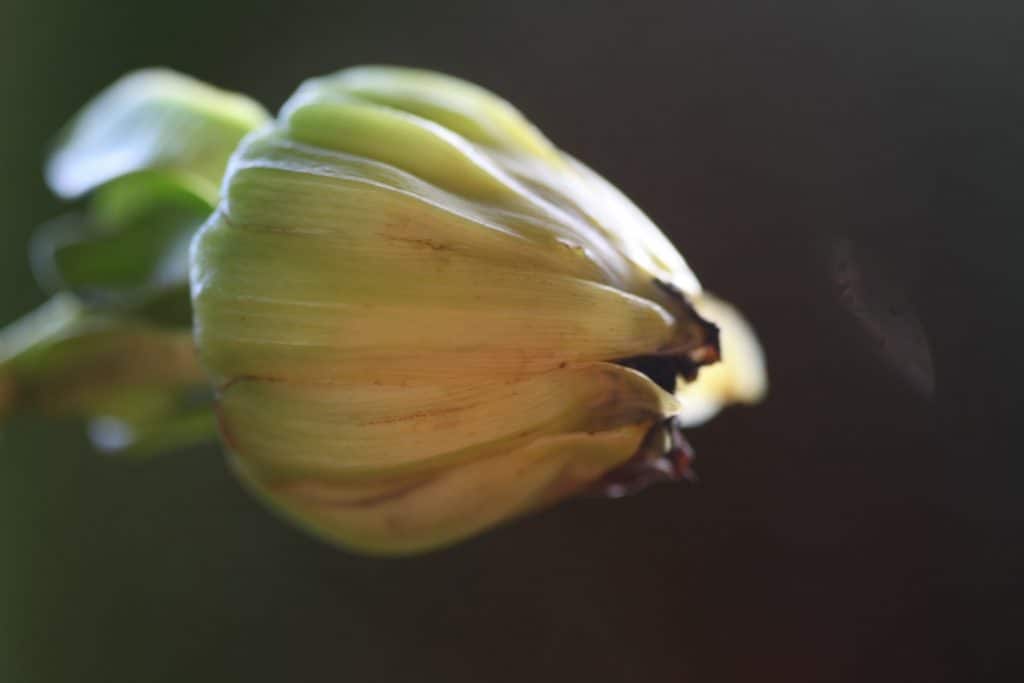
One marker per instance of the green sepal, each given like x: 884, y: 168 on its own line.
x: 151, y: 119
x: 64, y: 360
x: 129, y: 250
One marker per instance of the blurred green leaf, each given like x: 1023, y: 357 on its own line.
x: 151, y: 119
x: 130, y: 248
x: 66, y: 360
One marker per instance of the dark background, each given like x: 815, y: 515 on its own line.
x: 864, y: 524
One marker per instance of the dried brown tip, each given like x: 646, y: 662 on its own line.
x: 665, y: 369
x: 664, y: 455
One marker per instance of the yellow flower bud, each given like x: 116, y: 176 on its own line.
x: 422, y: 318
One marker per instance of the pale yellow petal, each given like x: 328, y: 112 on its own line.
x: 352, y: 430
x: 417, y: 514
x: 739, y: 377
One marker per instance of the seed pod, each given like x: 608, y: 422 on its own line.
x: 422, y: 319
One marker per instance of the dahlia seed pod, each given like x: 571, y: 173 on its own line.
x: 422, y: 319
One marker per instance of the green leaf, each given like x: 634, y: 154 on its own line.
x: 130, y: 249
x: 63, y: 359
x: 151, y: 119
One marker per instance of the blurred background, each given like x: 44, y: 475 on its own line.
x: 847, y: 172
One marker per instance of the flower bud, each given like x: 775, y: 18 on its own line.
x: 423, y: 319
